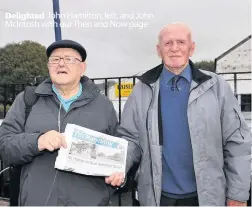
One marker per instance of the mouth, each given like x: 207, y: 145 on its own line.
x: 61, y: 72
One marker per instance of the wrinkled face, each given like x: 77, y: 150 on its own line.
x: 175, y: 46
x: 65, y: 66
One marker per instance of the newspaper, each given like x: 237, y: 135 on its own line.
x: 91, y: 153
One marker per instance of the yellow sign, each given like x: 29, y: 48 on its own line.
x: 126, y: 89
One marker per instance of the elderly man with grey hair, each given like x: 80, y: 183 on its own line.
x: 185, y: 128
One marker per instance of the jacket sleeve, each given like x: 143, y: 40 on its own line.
x: 16, y: 146
x: 129, y: 130
x: 236, y: 146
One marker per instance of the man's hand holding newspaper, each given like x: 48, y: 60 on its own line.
x: 93, y: 153
x: 116, y: 179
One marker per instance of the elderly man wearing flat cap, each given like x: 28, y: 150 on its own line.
x: 66, y: 97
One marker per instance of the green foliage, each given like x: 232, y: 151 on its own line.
x: 205, y: 65
x: 22, y: 62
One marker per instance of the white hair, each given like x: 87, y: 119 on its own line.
x: 174, y: 23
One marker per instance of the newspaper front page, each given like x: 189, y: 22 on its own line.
x: 91, y: 153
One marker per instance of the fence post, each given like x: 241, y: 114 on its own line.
x: 119, y: 90
x: 235, y: 84
x: 106, y: 87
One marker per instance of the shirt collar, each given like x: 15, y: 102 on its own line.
x: 187, y: 73
x: 166, y: 75
x: 70, y: 99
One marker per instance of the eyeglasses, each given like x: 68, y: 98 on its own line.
x: 67, y: 60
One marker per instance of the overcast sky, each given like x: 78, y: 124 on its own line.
x: 217, y: 25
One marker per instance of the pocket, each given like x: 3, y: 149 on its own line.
x: 238, y: 119
x: 233, y: 123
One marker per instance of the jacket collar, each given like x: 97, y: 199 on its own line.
x: 152, y: 75
x: 90, y: 90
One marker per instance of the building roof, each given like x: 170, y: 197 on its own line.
x: 233, y: 48
x: 235, y: 60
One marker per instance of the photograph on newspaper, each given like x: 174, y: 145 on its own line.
x: 91, y: 153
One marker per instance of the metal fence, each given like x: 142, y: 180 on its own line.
x: 107, y: 86
x: 235, y: 78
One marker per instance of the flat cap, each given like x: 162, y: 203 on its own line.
x: 67, y: 44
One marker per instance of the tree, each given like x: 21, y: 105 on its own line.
x: 205, y: 65
x: 22, y: 62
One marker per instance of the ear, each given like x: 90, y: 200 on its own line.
x: 49, y: 68
x: 158, y: 50
x: 83, y: 68
x: 192, y: 49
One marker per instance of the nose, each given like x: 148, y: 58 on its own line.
x: 61, y: 62
x: 174, y: 47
